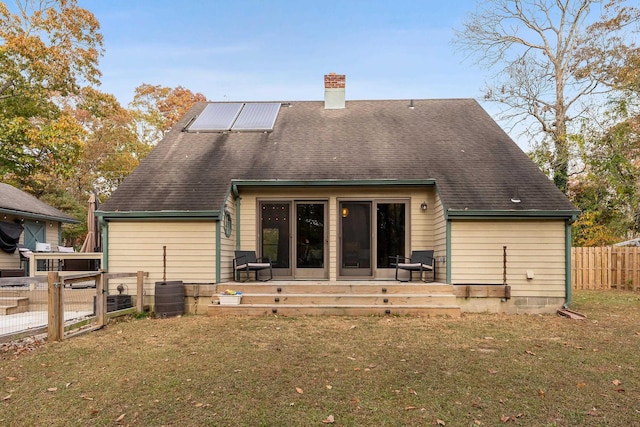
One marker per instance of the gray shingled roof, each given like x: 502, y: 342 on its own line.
x: 18, y: 202
x: 475, y: 165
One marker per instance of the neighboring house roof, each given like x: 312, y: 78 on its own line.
x: 476, y: 167
x: 17, y: 202
x: 632, y: 242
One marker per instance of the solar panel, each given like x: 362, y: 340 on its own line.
x: 216, y: 117
x: 257, y: 117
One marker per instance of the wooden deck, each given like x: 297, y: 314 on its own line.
x: 352, y: 298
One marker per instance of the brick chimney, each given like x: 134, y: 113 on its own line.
x: 334, y: 91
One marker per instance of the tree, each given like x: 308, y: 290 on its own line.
x: 47, y: 46
x: 111, y: 148
x: 542, y: 51
x: 47, y: 49
x: 157, y: 108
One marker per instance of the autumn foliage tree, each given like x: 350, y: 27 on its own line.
x: 157, y: 108
x: 47, y: 48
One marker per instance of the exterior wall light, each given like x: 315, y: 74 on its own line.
x: 345, y: 212
x: 423, y: 206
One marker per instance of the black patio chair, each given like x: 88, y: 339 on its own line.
x: 420, y: 261
x: 246, y: 261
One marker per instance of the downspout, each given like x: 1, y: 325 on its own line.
x: 567, y: 262
x: 104, y: 226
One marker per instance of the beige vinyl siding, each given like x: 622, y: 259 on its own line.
x: 421, y: 223
x: 53, y: 234
x: 534, y: 246
x: 138, y: 246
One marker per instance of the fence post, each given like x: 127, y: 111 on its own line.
x: 140, y: 291
x: 101, y: 301
x: 55, y: 324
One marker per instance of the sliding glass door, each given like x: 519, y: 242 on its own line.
x: 369, y: 244
x: 355, y: 245
x: 293, y: 235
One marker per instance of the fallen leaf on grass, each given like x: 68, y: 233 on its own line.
x: 541, y: 393
x: 328, y: 386
x: 7, y: 397
x: 120, y: 418
x: 299, y: 390
x: 530, y: 352
x: 85, y: 397
x: 492, y: 371
x: 410, y: 408
x: 581, y: 385
x: 412, y: 391
x: 52, y: 389
x: 616, y: 382
x: 11, y: 378
x: 329, y: 420
x: 351, y: 358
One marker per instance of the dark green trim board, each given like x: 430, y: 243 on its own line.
x: 29, y: 215
x: 218, y: 250
x: 160, y: 215
x: 448, y: 249
x: 465, y: 214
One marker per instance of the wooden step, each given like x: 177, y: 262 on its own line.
x: 337, y: 288
x: 13, y: 305
x: 338, y: 298
x: 347, y: 299
x: 329, y: 310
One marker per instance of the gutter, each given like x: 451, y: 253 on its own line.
x: 159, y: 215
x: 32, y: 215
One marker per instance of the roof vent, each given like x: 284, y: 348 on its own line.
x: 334, y: 91
x: 515, y: 198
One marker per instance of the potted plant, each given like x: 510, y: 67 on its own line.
x: 230, y: 297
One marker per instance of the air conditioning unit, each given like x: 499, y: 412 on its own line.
x: 43, y: 247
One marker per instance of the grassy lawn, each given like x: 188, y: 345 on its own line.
x: 479, y: 370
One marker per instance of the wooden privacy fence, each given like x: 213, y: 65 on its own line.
x: 605, y: 267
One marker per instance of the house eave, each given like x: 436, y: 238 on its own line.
x: 159, y: 215
x: 511, y: 214
x: 329, y: 182
x: 38, y: 216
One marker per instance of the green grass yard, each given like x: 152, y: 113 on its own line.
x: 479, y: 370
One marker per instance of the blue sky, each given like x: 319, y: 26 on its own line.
x: 279, y: 50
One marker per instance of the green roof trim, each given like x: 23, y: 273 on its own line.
x: 480, y: 214
x: 38, y: 216
x: 328, y: 182
x: 160, y: 215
